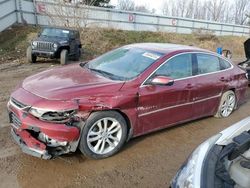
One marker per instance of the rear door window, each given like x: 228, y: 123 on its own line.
x: 177, y: 67
x: 224, y: 64
x: 207, y: 63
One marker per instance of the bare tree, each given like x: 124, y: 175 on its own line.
x: 126, y: 5
x: 248, y: 19
x: 142, y: 8
x: 175, y: 10
x: 197, y: 10
x: 182, y: 6
x: 130, y: 6
x: 76, y: 15
x: 166, y: 8
x: 190, y: 9
x: 234, y: 11
x: 216, y: 8
x: 228, y: 13
x: 170, y: 8
x: 241, y: 7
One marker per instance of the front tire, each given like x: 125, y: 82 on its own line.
x: 30, y: 57
x: 64, y: 57
x: 103, y: 135
x: 227, y: 104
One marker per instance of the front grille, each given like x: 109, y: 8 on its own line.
x: 45, y: 46
x: 17, y: 103
x: 15, y: 120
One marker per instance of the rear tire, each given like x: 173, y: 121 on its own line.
x: 77, y: 55
x: 227, y: 104
x: 64, y: 57
x: 103, y: 135
x: 30, y: 57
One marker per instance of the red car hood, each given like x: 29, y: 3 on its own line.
x: 69, y: 82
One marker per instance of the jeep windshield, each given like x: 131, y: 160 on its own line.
x: 54, y: 32
x: 123, y: 63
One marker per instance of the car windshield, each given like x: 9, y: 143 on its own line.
x: 53, y: 32
x: 123, y: 63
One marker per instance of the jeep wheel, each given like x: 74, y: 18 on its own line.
x: 30, y: 57
x: 103, y: 135
x: 64, y: 57
x: 77, y: 55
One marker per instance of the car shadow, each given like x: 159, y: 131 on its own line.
x: 80, y: 158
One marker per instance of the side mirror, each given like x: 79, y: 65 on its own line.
x: 162, y: 80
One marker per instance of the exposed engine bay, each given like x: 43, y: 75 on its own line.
x: 246, y: 64
x: 233, y: 165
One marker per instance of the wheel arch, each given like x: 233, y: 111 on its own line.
x: 63, y: 48
x: 232, y: 89
x: 129, y: 124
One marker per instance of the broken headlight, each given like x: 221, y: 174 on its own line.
x: 48, y: 115
x: 189, y: 176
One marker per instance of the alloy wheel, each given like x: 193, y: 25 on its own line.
x: 228, y: 105
x: 104, y: 135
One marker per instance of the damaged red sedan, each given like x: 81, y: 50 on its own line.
x: 98, y: 105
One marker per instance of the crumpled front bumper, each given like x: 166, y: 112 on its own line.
x: 26, y: 131
x: 30, y: 145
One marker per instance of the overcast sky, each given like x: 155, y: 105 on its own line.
x: 156, y: 4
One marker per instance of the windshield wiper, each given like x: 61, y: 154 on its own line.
x: 106, y: 74
x: 103, y: 73
x: 84, y: 64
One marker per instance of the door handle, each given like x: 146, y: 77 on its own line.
x: 223, y: 79
x: 189, y: 86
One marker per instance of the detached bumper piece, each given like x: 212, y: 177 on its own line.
x: 30, y: 145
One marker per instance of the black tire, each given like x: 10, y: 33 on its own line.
x: 64, y: 57
x: 92, y: 121
x: 77, y: 55
x: 30, y: 57
x: 224, y: 98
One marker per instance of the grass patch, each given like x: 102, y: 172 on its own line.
x: 97, y: 41
x: 14, y: 41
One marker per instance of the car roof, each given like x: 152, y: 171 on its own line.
x: 167, y: 47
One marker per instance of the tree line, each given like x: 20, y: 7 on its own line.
x: 228, y: 11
